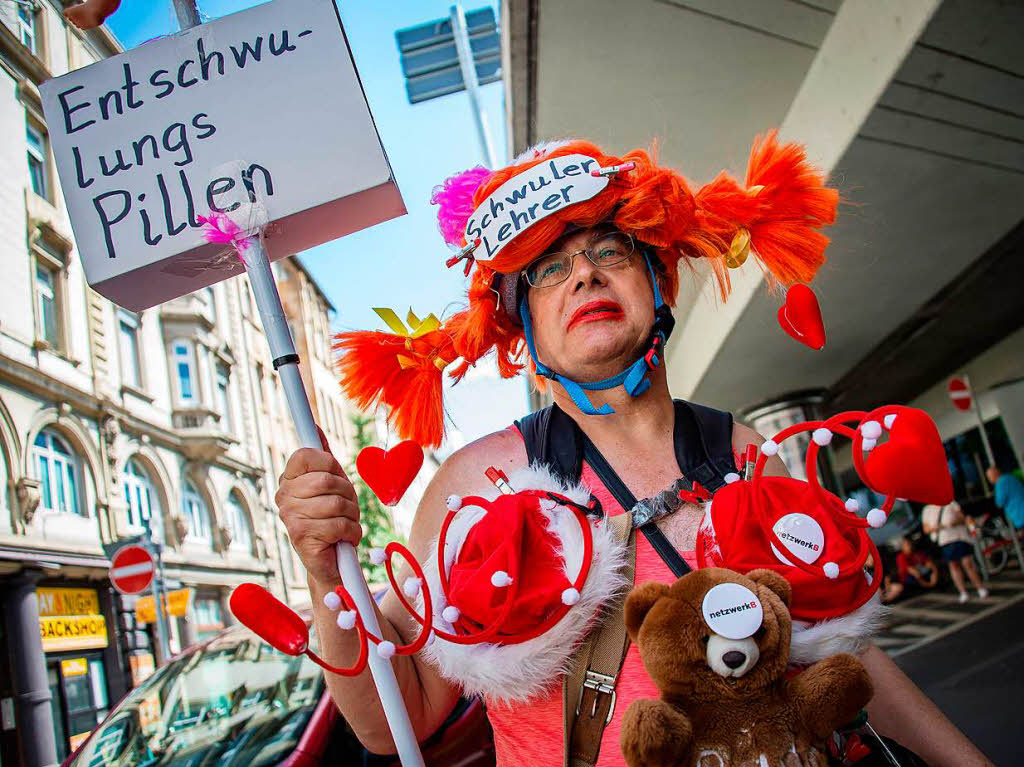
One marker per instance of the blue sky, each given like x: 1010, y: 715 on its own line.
x: 399, y: 263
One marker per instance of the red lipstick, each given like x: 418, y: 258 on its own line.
x: 594, y: 311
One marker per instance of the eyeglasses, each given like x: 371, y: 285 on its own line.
x: 604, y: 250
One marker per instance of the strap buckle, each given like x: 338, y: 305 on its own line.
x: 602, y: 684
x: 651, y: 359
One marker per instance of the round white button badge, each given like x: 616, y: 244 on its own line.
x: 802, y: 535
x: 732, y: 611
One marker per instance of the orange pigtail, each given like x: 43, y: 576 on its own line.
x: 782, y: 208
x: 484, y: 326
x: 402, y: 370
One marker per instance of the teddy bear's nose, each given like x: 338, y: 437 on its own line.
x: 734, y: 659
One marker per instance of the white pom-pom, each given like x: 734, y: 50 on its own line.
x: 450, y: 613
x: 871, y: 429
x: 831, y: 570
x: 377, y: 556
x: 332, y: 601
x: 411, y: 587
x: 570, y: 596
x: 889, y: 419
x: 453, y: 502
x: 822, y: 437
x: 769, y: 447
x: 876, y: 517
x: 731, y: 477
x: 868, y: 444
x: 347, y: 620
x: 500, y: 579
x: 852, y: 505
x: 386, y: 649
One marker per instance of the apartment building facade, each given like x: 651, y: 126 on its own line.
x: 113, y: 423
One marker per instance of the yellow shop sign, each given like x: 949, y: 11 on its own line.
x: 74, y: 667
x: 73, y: 632
x: 70, y: 619
x: 176, y: 603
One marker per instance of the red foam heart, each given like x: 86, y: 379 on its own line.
x: 389, y: 473
x: 912, y: 463
x: 800, y: 317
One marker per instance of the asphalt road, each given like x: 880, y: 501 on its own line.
x: 975, y: 674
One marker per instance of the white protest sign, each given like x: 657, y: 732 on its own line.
x: 802, y: 535
x: 529, y: 197
x: 259, y: 114
x: 732, y: 610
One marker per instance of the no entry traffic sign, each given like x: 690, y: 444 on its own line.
x: 960, y: 393
x: 131, y: 569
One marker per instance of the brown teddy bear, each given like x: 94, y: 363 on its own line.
x: 716, y: 643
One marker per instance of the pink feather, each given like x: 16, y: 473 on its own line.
x: 219, y: 228
x: 454, y: 199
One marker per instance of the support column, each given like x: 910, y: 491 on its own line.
x: 1009, y: 399
x: 225, y: 609
x: 115, y: 659
x: 29, y: 681
x: 771, y: 417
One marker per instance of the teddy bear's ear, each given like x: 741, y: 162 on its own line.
x: 772, y: 580
x: 639, y: 602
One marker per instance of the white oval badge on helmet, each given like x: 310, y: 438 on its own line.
x: 530, y: 196
x: 802, y: 535
x: 732, y: 611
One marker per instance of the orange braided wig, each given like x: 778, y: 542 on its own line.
x: 782, y: 207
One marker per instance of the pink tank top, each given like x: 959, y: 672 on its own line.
x: 531, y: 734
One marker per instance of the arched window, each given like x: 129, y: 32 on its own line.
x: 59, y: 473
x: 239, y: 524
x: 141, y: 499
x: 196, y: 515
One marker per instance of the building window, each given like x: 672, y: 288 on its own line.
x: 128, y: 340
x: 58, y: 474
x: 36, y: 141
x: 211, y: 302
x: 140, y: 497
x: 27, y: 26
x: 184, y: 364
x: 209, y: 619
x: 48, y: 304
x: 224, y: 397
x: 196, y: 515
x: 239, y: 524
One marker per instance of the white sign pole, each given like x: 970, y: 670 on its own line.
x: 286, y: 362
x: 981, y: 421
x: 470, y: 79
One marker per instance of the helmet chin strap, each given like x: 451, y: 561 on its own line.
x: 633, y: 379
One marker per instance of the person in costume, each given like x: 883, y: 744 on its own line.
x: 574, y: 258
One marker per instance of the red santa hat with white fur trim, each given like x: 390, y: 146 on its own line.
x: 519, y: 585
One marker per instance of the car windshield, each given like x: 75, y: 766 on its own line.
x: 233, y: 702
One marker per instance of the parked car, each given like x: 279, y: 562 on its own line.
x: 234, y: 701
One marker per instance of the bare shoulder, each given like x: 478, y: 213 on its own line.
x: 743, y: 435
x: 463, y: 474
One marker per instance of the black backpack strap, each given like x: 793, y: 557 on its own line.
x: 625, y: 498
x: 551, y: 437
x: 703, y: 444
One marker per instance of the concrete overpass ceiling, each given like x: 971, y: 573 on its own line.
x: 933, y: 181
x: 701, y: 76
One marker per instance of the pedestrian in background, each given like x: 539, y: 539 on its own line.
x: 915, y: 570
x: 1009, y: 495
x: 947, y: 526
